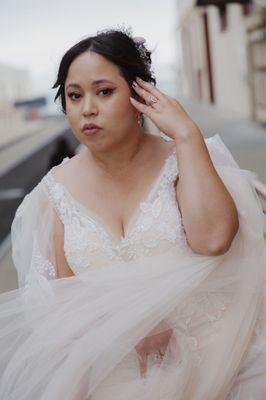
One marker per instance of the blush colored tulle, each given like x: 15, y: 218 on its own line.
x: 74, y: 338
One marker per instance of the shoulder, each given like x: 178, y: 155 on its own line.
x: 161, y: 143
x: 66, y: 168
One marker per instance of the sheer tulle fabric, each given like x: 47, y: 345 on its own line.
x: 74, y: 338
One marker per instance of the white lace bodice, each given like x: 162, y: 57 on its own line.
x: 156, y: 226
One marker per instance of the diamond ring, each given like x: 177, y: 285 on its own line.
x: 153, y: 99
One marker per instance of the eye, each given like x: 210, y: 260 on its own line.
x: 73, y: 94
x: 77, y: 95
x: 108, y: 90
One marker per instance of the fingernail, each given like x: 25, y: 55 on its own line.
x: 138, y: 79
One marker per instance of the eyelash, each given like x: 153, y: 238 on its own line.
x: 102, y: 90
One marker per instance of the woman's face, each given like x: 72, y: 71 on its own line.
x: 105, y: 104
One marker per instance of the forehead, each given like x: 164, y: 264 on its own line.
x: 90, y: 66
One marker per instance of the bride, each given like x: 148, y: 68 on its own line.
x: 140, y: 259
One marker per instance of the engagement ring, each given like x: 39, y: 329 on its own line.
x: 153, y: 99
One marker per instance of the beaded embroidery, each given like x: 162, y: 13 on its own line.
x: 87, y: 242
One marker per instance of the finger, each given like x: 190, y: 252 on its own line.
x: 142, y: 107
x: 150, y: 88
x: 143, y: 361
x: 144, y: 94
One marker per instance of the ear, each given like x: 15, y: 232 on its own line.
x: 139, y: 98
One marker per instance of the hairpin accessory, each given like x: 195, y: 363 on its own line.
x: 140, y: 40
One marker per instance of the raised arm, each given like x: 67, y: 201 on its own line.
x: 208, y: 211
x: 209, y: 214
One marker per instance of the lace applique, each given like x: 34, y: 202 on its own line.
x: 157, y: 227
x: 40, y: 264
x: 258, y: 337
x: 200, y: 308
x: 41, y: 270
x: 82, y: 235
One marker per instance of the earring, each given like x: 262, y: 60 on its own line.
x: 139, y: 119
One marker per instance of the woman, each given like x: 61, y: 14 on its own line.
x: 140, y: 259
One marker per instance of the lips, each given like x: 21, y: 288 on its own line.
x: 90, y: 126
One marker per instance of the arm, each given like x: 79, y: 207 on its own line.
x: 210, y: 216
x: 209, y: 213
x: 62, y: 266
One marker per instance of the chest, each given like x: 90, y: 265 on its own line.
x: 117, y: 202
x: 90, y: 240
x: 116, y: 199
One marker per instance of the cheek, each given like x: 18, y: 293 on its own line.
x: 71, y: 113
x: 68, y: 108
x: 120, y: 108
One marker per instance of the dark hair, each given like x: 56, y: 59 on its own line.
x: 116, y: 45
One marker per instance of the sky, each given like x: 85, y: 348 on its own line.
x: 35, y: 33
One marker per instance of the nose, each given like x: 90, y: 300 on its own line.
x: 89, y: 107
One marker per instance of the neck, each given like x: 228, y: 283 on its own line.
x: 121, y: 155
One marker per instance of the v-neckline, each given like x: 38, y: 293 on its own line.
x: 118, y: 241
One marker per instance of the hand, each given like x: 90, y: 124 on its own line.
x: 167, y: 113
x: 156, y: 342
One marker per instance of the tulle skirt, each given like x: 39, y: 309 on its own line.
x: 75, y: 338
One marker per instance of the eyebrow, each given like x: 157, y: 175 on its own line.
x: 93, y: 83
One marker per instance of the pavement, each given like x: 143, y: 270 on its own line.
x: 243, y: 137
x: 13, y: 154
x: 8, y: 274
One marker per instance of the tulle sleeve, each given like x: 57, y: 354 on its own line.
x: 239, y: 183
x: 246, y: 258
x: 32, y: 239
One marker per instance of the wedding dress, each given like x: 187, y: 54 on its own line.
x: 74, y: 338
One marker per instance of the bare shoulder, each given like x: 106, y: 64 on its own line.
x: 156, y: 148
x: 66, y: 169
x: 163, y: 145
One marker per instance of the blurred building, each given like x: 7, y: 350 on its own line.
x: 15, y: 84
x: 223, y: 54
x: 21, y: 112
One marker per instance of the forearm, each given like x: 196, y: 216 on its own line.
x: 208, y: 211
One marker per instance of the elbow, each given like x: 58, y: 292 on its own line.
x: 220, y: 247
x: 214, y: 249
x: 217, y: 242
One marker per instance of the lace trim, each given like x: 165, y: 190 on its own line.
x: 43, y: 266
x: 148, y: 231
x: 200, y: 308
